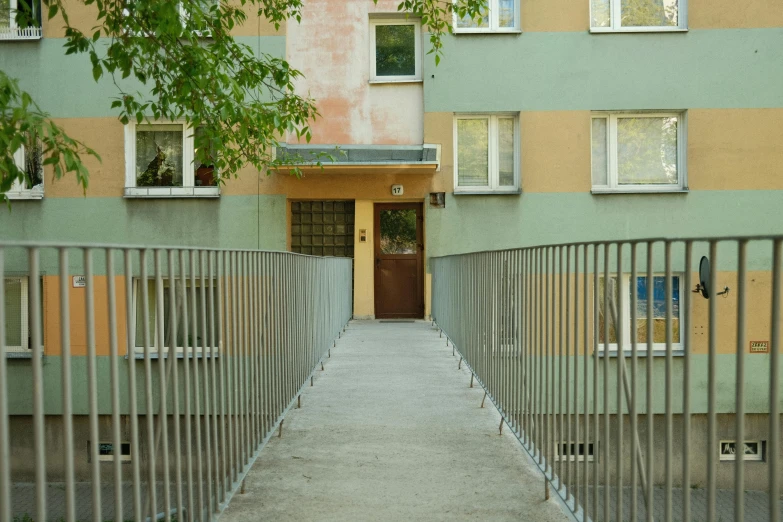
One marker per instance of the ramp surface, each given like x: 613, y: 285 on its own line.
x: 391, y: 430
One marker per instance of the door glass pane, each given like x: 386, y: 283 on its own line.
x: 647, y: 151
x: 13, y: 312
x: 159, y: 156
x: 472, y: 152
x: 600, y: 14
x: 398, y: 231
x: 659, y: 309
x: 649, y: 13
x: 506, y: 151
x: 395, y: 50
x: 599, y: 151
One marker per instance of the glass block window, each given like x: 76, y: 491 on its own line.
x: 322, y: 228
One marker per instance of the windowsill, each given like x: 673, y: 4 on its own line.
x: 30, y: 195
x: 488, y: 192
x: 180, y: 355
x: 486, y: 31
x: 27, y: 354
x: 603, y: 191
x: 377, y: 81
x: 609, y: 30
x: 172, y: 192
x: 677, y: 352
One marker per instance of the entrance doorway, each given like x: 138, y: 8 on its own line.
x: 399, y: 261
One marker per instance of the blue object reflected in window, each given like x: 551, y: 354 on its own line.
x: 659, y: 297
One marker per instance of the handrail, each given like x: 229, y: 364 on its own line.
x: 176, y: 365
x: 558, y: 335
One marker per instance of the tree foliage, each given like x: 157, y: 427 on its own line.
x: 173, y: 61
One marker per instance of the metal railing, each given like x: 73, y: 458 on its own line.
x: 140, y: 383
x: 558, y: 336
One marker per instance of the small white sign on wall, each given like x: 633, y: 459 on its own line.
x: 79, y: 281
x: 397, y: 190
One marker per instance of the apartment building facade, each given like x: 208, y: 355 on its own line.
x: 552, y: 121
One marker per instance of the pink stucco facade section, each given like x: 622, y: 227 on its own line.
x: 331, y: 47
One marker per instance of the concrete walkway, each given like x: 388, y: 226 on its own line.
x: 392, y: 431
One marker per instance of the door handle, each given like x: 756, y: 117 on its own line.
x: 377, y: 262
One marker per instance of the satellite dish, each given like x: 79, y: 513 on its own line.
x: 704, y: 277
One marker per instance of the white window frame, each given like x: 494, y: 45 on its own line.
x: 152, y: 299
x: 374, y: 23
x: 612, y: 185
x: 188, y: 188
x: 493, y: 7
x: 20, y: 33
x: 615, y: 9
x: 18, y: 190
x: 625, y: 317
x: 494, y: 174
x: 25, y: 319
x: 759, y: 457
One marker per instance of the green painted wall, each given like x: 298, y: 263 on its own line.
x: 20, y: 377
x: 63, y: 85
x: 727, y: 68
x: 476, y: 223
x: 756, y: 388
x: 252, y: 222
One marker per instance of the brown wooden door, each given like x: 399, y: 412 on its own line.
x: 399, y: 261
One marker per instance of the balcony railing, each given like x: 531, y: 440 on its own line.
x: 637, y: 397
x: 151, y: 376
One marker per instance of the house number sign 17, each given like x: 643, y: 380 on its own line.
x: 397, y: 190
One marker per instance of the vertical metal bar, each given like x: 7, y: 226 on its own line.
x: 92, y: 386
x: 605, y: 452
x: 739, y: 416
x: 67, y: 398
x: 560, y: 355
x: 130, y: 313
x: 578, y: 498
x: 172, y: 346
x: 619, y: 417
x: 5, y: 452
x: 39, y: 421
x: 686, y: 329
x: 206, y: 356
x: 712, y: 387
x: 634, y: 380
x: 773, y: 442
x: 225, y: 441
x: 596, y: 439
x: 114, y: 372
x: 649, y: 362
x: 569, y: 453
x: 148, y: 398
x: 547, y: 409
x: 234, y: 427
x: 162, y: 428
x: 586, y: 380
x: 668, y: 381
x: 214, y: 341
x: 197, y: 350
x: 186, y: 351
